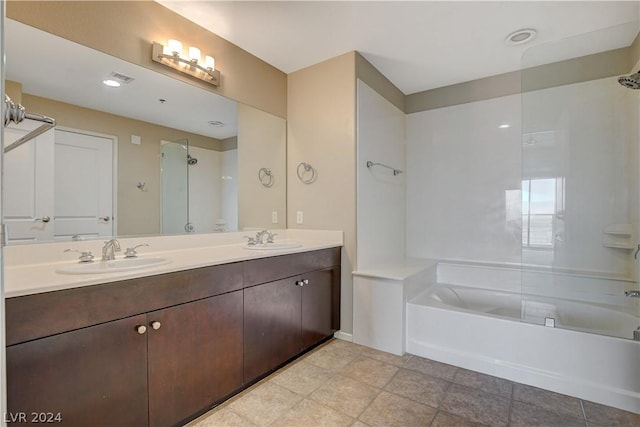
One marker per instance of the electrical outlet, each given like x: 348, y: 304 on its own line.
x: 299, y: 217
x: 274, y: 217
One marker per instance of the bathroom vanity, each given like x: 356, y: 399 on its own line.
x: 161, y: 349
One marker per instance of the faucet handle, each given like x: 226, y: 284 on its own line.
x: 270, y: 237
x: 84, y: 256
x: 251, y: 241
x: 131, y: 252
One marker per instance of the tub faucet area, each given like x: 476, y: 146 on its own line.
x: 633, y: 294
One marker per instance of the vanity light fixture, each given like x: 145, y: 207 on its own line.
x: 192, y: 64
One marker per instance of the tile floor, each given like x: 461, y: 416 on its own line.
x: 344, y: 384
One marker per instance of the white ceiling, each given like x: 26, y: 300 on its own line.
x: 418, y: 45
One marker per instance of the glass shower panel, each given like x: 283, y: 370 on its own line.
x: 175, y: 187
x: 580, y: 175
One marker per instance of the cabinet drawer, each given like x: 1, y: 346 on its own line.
x: 35, y: 316
x: 279, y: 267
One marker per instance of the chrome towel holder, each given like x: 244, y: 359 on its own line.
x: 371, y: 164
x: 16, y: 113
x: 265, y: 177
x: 307, y: 174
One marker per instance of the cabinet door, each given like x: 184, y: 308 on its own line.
x: 95, y: 376
x: 271, y: 326
x: 195, y: 356
x: 317, y: 299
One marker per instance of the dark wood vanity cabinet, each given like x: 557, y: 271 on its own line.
x: 94, y: 376
x: 160, y: 350
x: 284, y: 317
x: 194, y: 357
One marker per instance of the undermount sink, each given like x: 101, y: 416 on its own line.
x: 275, y: 246
x: 123, y: 264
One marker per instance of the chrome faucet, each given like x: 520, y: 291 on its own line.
x: 634, y: 294
x: 261, y: 235
x: 109, y: 249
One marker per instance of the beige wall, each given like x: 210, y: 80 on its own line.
x: 262, y: 143
x: 14, y: 90
x: 126, y: 29
x: 321, y: 131
x: 138, y: 212
x: 378, y: 82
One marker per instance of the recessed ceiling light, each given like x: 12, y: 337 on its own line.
x: 504, y: 126
x: 215, y: 123
x: 520, y: 37
x: 111, y: 83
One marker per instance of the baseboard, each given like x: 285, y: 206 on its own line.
x: 343, y: 336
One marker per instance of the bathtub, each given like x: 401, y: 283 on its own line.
x: 482, y: 318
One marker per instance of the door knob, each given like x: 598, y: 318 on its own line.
x: 45, y: 218
x: 141, y: 329
x: 104, y: 218
x: 156, y: 325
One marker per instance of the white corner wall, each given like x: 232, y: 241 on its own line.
x: 381, y: 197
x: 462, y: 170
x: 465, y: 171
x: 229, y: 184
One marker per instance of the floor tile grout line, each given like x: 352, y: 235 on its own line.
x: 584, y: 413
x: 449, y: 383
x: 511, y: 404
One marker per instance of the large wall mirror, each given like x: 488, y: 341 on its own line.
x: 152, y: 156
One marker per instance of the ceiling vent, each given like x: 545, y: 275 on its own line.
x: 121, y: 78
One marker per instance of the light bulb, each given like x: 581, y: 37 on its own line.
x: 194, y: 54
x: 174, y: 47
x: 209, y: 63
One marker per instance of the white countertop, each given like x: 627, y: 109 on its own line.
x: 31, y: 269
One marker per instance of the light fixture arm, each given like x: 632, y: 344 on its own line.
x: 185, y: 65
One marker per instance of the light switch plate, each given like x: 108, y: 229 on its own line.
x: 274, y: 217
x: 299, y: 217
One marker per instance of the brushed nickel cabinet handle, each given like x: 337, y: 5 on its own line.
x: 156, y: 325
x: 141, y: 329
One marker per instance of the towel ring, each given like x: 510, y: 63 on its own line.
x: 265, y: 177
x: 306, y: 168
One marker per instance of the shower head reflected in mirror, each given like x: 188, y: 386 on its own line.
x: 632, y: 81
x: 191, y: 160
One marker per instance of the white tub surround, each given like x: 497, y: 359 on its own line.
x: 470, y: 316
x: 380, y: 298
x: 32, y: 268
